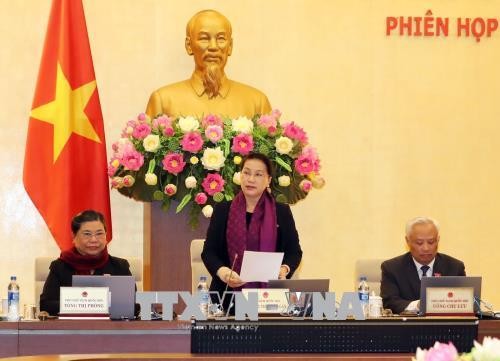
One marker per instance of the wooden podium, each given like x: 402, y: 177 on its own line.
x: 167, y: 239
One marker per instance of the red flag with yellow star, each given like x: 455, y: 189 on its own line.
x: 65, y: 169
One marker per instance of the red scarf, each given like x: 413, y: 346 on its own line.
x: 261, y: 234
x: 84, y: 264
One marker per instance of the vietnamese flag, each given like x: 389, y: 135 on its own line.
x: 65, y: 165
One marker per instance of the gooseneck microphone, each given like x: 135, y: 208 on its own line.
x: 231, y: 273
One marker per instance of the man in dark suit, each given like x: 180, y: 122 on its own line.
x: 400, y: 287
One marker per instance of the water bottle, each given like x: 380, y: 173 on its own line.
x: 205, y: 295
x: 364, y: 294
x: 13, y: 300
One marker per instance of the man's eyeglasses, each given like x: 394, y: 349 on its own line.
x: 89, y: 235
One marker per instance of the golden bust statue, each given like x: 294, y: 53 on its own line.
x: 208, y: 91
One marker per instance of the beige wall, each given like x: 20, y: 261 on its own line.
x: 405, y: 126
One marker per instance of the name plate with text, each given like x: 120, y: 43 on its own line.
x: 84, y: 301
x: 270, y: 300
x: 450, y: 300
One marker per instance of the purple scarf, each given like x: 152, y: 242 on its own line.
x: 261, y: 234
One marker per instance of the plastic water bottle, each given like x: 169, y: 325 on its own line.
x: 13, y: 299
x: 205, y: 295
x: 364, y: 294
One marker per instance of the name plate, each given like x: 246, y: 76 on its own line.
x: 270, y: 300
x: 84, y: 301
x: 450, y: 300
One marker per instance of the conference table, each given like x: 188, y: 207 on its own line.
x: 104, y: 339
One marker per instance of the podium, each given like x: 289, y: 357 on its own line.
x: 388, y: 335
x: 167, y: 238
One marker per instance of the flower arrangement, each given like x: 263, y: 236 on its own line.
x: 488, y: 351
x: 197, y: 162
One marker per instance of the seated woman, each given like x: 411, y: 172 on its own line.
x: 89, y: 256
x: 251, y: 221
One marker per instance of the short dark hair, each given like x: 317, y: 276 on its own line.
x: 264, y: 159
x: 88, y: 215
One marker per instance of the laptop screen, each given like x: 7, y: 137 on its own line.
x: 122, y: 289
x: 311, y: 285
x: 449, y: 282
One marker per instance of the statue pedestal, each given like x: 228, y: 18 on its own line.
x: 167, y: 239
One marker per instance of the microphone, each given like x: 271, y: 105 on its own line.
x: 227, y: 283
x: 231, y: 273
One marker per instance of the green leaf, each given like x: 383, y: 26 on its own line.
x: 226, y: 146
x: 282, y: 163
x: 152, y: 165
x: 183, y: 203
x: 166, y: 205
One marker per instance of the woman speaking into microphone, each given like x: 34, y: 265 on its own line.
x: 252, y: 221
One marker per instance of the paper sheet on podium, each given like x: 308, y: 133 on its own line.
x: 260, y: 266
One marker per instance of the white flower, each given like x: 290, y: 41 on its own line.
x: 242, y: 125
x: 151, y: 179
x: 420, y: 356
x: 151, y: 143
x: 488, y: 351
x: 129, y: 130
x: 188, y: 124
x: 284, y: 145
x: 284, y: 181
x: 207, y: 211
x: 190, y: 182
x: 237, y: 178
x: 213, y: 158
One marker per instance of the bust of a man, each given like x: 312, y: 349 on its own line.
x: 208, y: 91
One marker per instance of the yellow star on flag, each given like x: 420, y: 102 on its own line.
x: 67, y: 112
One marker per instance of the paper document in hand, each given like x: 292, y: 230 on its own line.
x: 260, y: 266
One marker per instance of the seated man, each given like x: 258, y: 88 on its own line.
x: 400, y: 287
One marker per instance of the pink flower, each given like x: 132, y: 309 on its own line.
x: 214, y: 133
x: 213, y: 183
x: 305, y: 185
x: 170, y: 189
x: 192, y: 142
x: 168, y: 131
x: 173, y: 163
x: 311, y: 152
x: 276, y: 114
x: 268, y: 122
x: 295, y: 132
x: 142, y: 117
x: 442, y: 352
x: 211, y: 119
x: 305, y: 164
x: 162, y: 122
x: 111, y: 170
x: 141, y: 131
x: 242, y: 143
x: 132, y: 159
x: 200, y: 198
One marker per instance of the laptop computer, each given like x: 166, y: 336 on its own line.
x: 300, y: 292
x: 450, y: 282
x: 302, y: 285
x: 122, y: 289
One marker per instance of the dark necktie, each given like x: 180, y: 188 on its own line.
x: 424, y: 270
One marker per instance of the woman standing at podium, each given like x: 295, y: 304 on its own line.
x: 89, y: 256
x: 252, y: 221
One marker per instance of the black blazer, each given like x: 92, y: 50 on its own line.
x: 215, y: 253
x: 400, y: 281
x: 60, y: 275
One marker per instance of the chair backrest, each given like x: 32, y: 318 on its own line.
x: 197, y: 266
x: 370, y: 268
x: 42, y: 265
